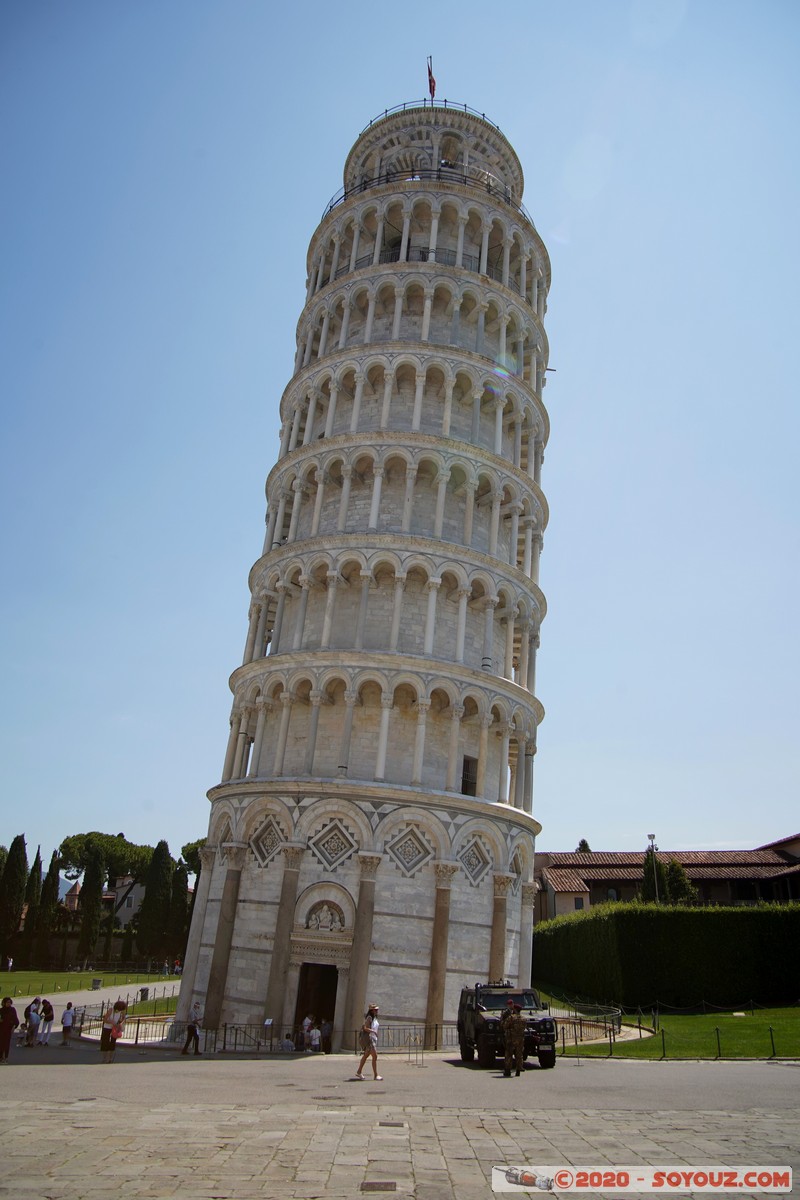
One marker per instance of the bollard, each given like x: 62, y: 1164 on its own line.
x: 772, y: 1039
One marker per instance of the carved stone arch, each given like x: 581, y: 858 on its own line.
x: 522, y: 845
x: 332, y: 677
x: 259, y: 810
x: 384, y: 558
x: 412, y: 680
x: 478, y: 696
x: 324, y: 810
x: 309, y: 915
x: 447, y: 567
x: 423, y: 563
x: 412, y: 839
x: 222, y: 824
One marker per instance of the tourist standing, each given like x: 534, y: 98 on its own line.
x: 67, y: 1023
x: 113, y: 1025
x: 8, y: 1023
x: 46, y: 1024
x: 369, y: 1042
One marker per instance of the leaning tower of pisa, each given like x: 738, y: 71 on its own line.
x: 372, y: 836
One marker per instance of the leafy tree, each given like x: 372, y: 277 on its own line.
x: 583, y: 847
x: 91, y: 902
x: 654, y: 884
x: 680, y: 888
x: 12, y: 894
x: 154, y: 936
x: 120, y: 857
x: 48, y: 910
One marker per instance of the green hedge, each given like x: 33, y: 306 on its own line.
x: 642, y: 954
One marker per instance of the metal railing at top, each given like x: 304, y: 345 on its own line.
x: 473, y: 177
x: 445, y: 105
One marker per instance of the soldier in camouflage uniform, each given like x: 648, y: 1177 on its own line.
x: 513, y: 1038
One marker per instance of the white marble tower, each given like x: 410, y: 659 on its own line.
x: 372, y: 836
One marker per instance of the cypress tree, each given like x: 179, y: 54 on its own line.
x: 654, y: 884
x: 3, y: 857
x: 12, y: 894
x: 679, y: 885
x: 91, y: 903
x: 33, y: 900
x: 47, y: 913
x: 153, y: 935
x: 179, y: 911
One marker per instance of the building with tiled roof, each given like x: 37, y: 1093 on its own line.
x: 570, y: 882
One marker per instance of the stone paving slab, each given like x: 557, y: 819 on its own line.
x: 231, y: 1129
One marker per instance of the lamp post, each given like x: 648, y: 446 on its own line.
x: 651, y: 837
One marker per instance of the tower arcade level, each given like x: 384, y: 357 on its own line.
x: 372, y: 834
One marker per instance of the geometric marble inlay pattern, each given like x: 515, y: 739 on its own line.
x: 409, y: 850
x: 333, y: 844
x: 475, y: 860
x: 267, y: 842
x: 516, y: 872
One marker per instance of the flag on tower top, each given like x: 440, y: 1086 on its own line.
x: 431, y: 80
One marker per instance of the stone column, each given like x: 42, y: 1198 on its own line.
x: 499, y: 406
x: 462, y: 225
x: 398, y: 312
x: 262, y: 708
x: 356, y: 413
x: 387, y: 703
x: 317, y: 700
x: 280, y: 609
x: 323, y: 342
x: 341, y: 523
x: 297, y: 502
x: 282, y: 937
x: 363, y: 600
x: 362, y: 945
x: 437, y: 974
x: 241, y: 740
x: 405, y: 236
x: 354, y: 250
x: 442, y: 481
x: 370, y: 319
x: 408, y: 498
x: 494, y: 523
x: 452, y: 784
x: 255, y: 614
x: 330, y: 601
x: 508, y: 666
x: 305, y: 585
x: 490, y: 605
x: 290, y: 993
x: 376, y: 254
x: 208, y: 856
x: 322, y: 479
x: 261, y: 632
x: 426, y: 315
x: 526, y: 935
x: 469, y: 512
x: 461, y: 624
x: 502, y: 783
x: 331, y: 414
x: 432, y: 588
x: 337, y: 246
x: 287, y: 700
x: 227, y: 769
x: 497, y: 950
x: 386, y: 407
x: 340, y: 1015
x: 397, y: 608
x: 218, y: 975
x: 423, y: 707
x: 435, y: 212
x: 416, y: 415
x: 375, y: 506
x: 483, y: 755
x: 348, y: 308
x: 519, y: 772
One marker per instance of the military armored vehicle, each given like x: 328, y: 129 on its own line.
x: 480, y: 1024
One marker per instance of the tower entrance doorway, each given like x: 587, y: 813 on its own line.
x: 316, y: 992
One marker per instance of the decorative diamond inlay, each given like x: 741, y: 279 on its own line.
x: 409, y: 850
x: 267, y: 842
x: 516, y: 872
x: 333, y: 845
x: 475, y: 860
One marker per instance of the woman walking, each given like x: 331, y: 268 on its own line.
x: 113, y: 1025
x: 369, y: 1042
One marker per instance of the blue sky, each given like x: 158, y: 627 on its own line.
x: 165, y: 166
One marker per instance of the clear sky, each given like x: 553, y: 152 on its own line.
x: 164, y: 168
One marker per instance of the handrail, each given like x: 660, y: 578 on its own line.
x: 450, y: 105
x: 474, y: 177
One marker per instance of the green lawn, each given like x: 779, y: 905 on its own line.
x: 51, y: 983
x: 696, y: 1037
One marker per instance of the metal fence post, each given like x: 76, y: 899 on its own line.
x: 772, y: 1039
x: 719, y: 1051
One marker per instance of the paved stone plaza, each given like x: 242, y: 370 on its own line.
x: 154, y: 1124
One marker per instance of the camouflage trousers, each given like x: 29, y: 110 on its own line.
x: 514, y: 1053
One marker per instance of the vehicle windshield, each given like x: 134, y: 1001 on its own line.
x: 498, y: 1001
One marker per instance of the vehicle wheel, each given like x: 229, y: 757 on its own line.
x: 485, y: 1054
x: 547, y: 1057
x: 467, y: 1051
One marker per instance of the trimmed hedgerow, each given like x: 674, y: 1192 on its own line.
x: 642, y: 954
